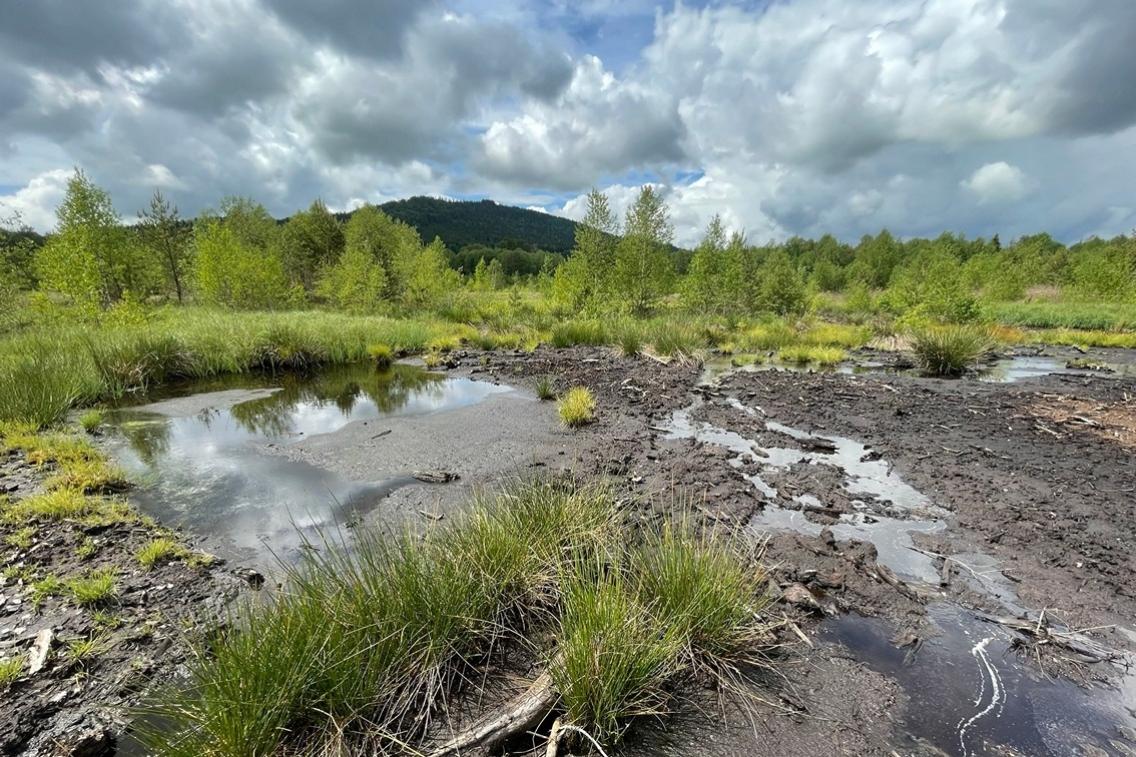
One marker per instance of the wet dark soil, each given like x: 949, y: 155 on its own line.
x: 1027, y: 502
x: 898, y: 512
x: 101, y: 658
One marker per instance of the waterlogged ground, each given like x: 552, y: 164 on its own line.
x: 917, y: 529
x: 225, y: 463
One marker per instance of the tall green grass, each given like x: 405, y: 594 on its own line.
x: 949, y: 350
x: 1093, y: 316
x: 47, y: 371
x: 366, y: 643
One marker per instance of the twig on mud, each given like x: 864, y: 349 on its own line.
x: 1042, y: 633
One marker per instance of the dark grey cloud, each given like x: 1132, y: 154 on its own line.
x: 64, y: 36
x: 372, y: 28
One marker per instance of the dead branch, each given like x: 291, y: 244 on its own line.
x: 520, y: 715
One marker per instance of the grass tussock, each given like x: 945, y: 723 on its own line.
x: 66, y: 504
x: 370, y: 641
x: 545, y: 388
x: 382, y: 355
x: 577, y: 407
x: 800, y: 354
x: 91, y: 420
x: 96, y: 588
x: 159, y: 550
x: 11, y: 669
x: 948, y: 350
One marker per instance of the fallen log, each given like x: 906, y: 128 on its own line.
x: 520, y: 715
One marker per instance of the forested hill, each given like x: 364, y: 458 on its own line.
x: 484, y: 222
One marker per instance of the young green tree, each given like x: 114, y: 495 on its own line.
x: 311, y: 240
x: 250, y: 223
x: 392, y: 244
x: 91, y: 259
x: 355, y: 282
x: 168, y: 239
x: 876, y: 258
x: 643, y: 271
x: 231, y: 273
x: 781, y: 288
x: 428, y: 277
x: 17, y: 254
x: 704, y: 288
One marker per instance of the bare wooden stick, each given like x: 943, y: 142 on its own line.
x: 518, y: 716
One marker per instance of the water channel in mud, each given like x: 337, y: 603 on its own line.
x: 969, y: 691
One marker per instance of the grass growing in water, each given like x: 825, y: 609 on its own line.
x: 381, y: 355
x: 948, y: 350
x: 577, y: 407
x: 368, y: 642
x: 91, y: 419
x: 801, y: 354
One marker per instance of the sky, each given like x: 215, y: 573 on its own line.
x: 786, y: 117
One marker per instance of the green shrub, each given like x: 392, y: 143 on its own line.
x: 948, y: 350
x: 577, y: 407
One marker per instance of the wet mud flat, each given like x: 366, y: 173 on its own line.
x: 912, y: 525
x: 96, y: 662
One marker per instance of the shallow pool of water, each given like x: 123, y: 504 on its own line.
x: 969, y: 694
x: 205, y: 461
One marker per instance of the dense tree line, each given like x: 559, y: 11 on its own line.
x: 239, y: 256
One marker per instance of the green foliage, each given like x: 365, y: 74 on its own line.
x: 482, y: 222
x: 90, y: 259
x: 642, y: 271
x: 355, y: 283
x: 229, y: 272
x: 948, y: 350
x: 931, y: 285
x: 781, y: 289
x: 312, y: 240
x: 168, y: 240
x: 427, y: 277
x: 577, y: 407
x: 705, y: 287
x: 1105, y: 272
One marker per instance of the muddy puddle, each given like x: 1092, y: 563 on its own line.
x: 969, y: 690
x: 1003, y: 370
x: 970, y: 693
x: 207, y: 455
x: 887, y: 511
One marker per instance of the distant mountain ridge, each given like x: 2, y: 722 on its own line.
x: 483, y: 222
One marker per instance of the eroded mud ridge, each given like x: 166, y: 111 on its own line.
x: 967, y: 544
